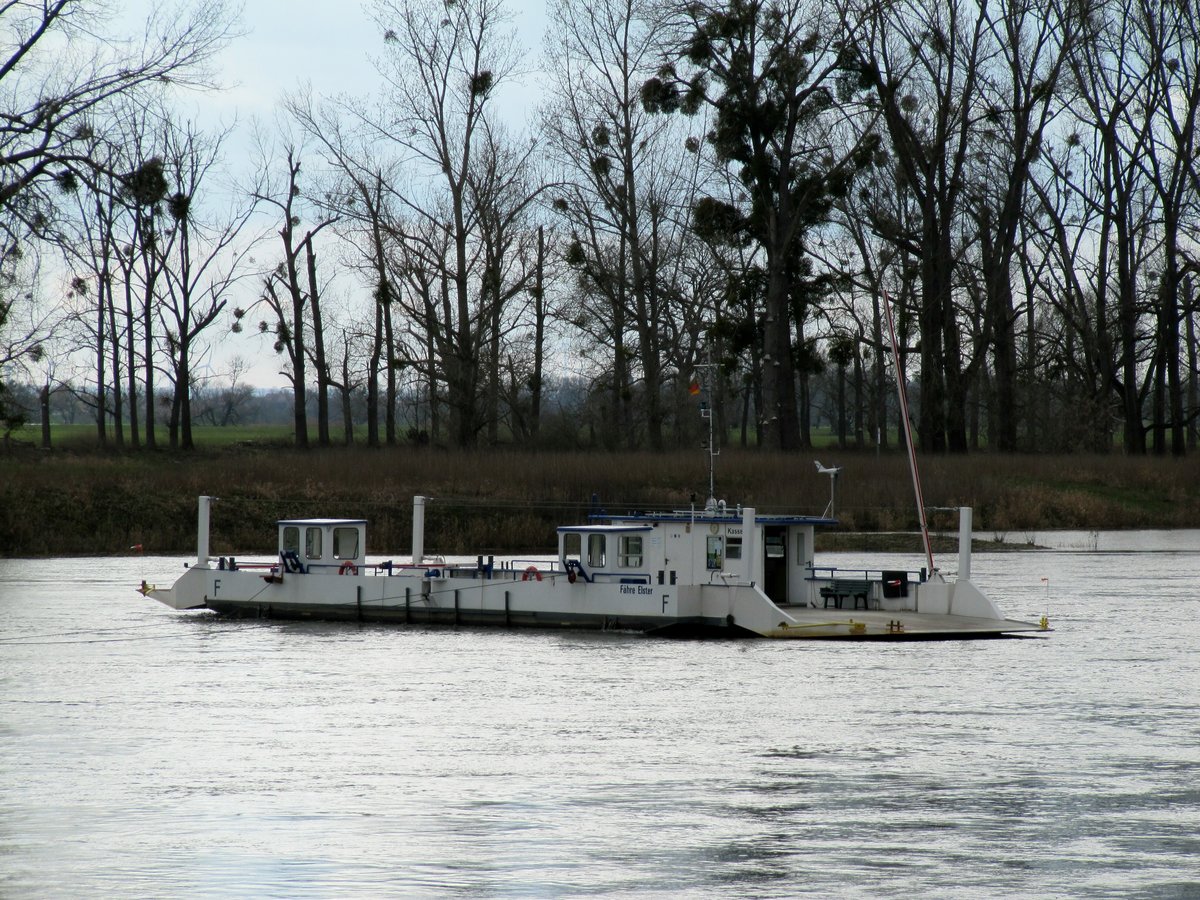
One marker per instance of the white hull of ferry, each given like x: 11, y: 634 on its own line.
x: 691, y: 598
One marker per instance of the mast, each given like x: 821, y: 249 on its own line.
x: 702, y: 385
x: 908, y: 439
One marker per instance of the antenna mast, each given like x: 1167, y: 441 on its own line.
x: 702, y: 385
x: 908, y: 440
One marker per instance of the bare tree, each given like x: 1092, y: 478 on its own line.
x: 362, y: 193
x: 290, y: 291
x: 503, y: 190
x: 623, y: 172
x: 1114, y: 75
x: 1019, y: 94
x: 923, y: 59
x: 61, y: 79
x: 225, y: 402
x: 443, y: 65
x: 56, y: 76
x: 91, y: 249
x: 24, y: 328
x: 203, y: 265
x: 1170, y: 33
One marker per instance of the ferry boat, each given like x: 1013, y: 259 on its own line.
x: 715, y: 570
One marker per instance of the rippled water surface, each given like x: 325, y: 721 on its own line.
x: 149, y: 753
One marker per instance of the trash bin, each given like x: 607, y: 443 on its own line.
x: 895, y: 584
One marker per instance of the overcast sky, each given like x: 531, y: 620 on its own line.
x: 329, y: 45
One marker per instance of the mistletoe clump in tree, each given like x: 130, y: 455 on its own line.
x: 773, y: 76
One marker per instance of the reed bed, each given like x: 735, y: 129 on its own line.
x: 511, y: 501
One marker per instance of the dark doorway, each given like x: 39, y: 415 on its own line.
x: 775, y: 562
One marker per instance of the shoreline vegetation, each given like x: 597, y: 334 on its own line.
x: 70, y: 502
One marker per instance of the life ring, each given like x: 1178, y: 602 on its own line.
x: 571, y: 576
x: 531, y: 572
x: 348, y: 568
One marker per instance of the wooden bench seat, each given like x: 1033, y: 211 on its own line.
x: 841, y: 590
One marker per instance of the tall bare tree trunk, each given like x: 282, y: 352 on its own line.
x: 319, y: 360
x: 539, y: 337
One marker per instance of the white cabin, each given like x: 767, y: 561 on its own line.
x: 696, y: 547
x: 322, y: 545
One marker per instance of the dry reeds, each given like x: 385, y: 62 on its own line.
x: 507, y: 500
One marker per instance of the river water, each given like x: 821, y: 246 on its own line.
x: 149, y: 753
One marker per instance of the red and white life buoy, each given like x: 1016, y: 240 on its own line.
x: 348, y: 568
x: 531, y: 572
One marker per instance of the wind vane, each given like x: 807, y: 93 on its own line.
x: 833, y: 472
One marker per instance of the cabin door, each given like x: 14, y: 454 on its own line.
x: 775, y: 562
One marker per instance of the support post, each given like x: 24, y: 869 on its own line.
x: 964, y: 543
x: 749, y: 544
x: 202, y: 556
x: 418, y: 531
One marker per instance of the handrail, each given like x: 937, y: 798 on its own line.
x: 835, y: 573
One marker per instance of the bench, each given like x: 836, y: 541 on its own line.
x: 839, y: 590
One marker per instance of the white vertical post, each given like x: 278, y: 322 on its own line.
x: 418, y: 531
x: 749, y: 544
x: 202, y: 532
x: 964, y: 543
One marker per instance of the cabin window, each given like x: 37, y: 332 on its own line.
x: 631, y: 551
x: 572, y: 547
x: 312, y: 543
x: 733, y: 548
x: 715, y: 554
x: 596, y: 551
x: 291, y: 539
x: 775, y: 546
x: 345, y: 543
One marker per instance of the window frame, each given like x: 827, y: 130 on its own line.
x: 291, y: 539
x: 714, y: 552
x: 627, y: 557
x: 311, y: 532
x: 597, y: 540
x: 339, y: 532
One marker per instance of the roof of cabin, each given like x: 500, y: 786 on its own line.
x: 706, y: 517
x: 604, y: 528
x: 322, y: 522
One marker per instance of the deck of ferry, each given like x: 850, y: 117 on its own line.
x: 891, y: 625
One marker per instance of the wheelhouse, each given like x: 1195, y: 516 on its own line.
x: 608, y: 552
x: 323, y: 545
x: 698, y: 547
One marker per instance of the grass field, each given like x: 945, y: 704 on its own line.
x: 78, y: 501
x: 83, y: 436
